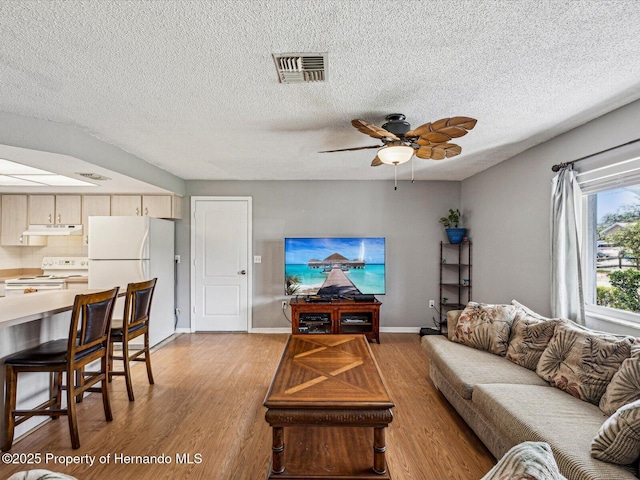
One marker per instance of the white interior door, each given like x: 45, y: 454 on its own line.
x: 221, y: 270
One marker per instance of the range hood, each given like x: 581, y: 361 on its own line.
x: 44, y: 230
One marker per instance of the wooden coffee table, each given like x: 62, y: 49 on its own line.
x: 328, y: 393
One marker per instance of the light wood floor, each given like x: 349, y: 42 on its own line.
x: 207, y: 402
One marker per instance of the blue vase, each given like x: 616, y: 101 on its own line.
x: 456, y: 234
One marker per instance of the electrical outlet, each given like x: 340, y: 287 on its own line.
x: 284, y: 304
x: 432, y: 304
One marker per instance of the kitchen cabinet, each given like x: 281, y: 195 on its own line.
x: 126, y: 205
x: 162, y: 206
x: 55, y: 209
x: 157, y: 206
x: 15, y: 220
x: 92, y: 206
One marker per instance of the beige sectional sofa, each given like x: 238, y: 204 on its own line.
x: 506, y: 404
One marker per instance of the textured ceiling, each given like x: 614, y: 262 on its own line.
x: 191, y: 86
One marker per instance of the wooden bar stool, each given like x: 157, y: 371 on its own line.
x: 135, y: 323
x: 88, y: 341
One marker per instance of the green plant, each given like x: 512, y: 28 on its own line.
x: 292, y: 284
x: 452, y: 220
x: 624, y: 295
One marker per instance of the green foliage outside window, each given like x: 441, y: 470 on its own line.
x: 623, y: 293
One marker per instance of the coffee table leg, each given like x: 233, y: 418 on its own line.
x: 379, y: 447
x: 278, y: 450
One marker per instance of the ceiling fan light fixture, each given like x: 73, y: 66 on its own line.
x: 395, y: 154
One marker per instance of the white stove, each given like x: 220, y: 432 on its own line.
x: 56, y: 270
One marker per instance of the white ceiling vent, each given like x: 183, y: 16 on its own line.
x: 93, y: 176
x: 301, y: 67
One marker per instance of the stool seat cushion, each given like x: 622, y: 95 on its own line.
x: 116, y: 333
x: 49, y: 353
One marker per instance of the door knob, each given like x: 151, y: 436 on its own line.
x: 243, y: 272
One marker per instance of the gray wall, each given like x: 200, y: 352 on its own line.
x: 408, y: 218
x: 507, y: 209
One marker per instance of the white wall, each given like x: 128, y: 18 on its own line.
x: 408, y: 218
x: 507, y: 210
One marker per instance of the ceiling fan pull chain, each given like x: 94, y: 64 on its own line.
x: 395, y: 176
x: 412, y: 178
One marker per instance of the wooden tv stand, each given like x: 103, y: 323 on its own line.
x: 336, y: 317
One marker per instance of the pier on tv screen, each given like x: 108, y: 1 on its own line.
x: 334, y: 266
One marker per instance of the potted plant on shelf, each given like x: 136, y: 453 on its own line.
x: 450, y: 223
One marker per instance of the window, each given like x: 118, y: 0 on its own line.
x: 611, y: 235
x: 617, y: 249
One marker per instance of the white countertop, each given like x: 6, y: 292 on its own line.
x: 33, y: 306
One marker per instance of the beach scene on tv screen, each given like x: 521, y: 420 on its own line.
x: 334, y: 266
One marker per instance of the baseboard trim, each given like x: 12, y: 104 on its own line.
x: 271, y: 330
x: 281, y: 330
x: 400, y: 329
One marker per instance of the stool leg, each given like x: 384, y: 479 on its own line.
x: 80, y: 383
x: 105, y: 390
x: 127, y: 368
x: 11, y: 379
x: 71, y: 409
x: 147, y: 357
x: 110, y: 363
x: 56, y: 393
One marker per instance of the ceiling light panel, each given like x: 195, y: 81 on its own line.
x: 7, y: 167
x: 6, y: 181
x: 56, y: 180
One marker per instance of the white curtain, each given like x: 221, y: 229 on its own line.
x: 567, y: 297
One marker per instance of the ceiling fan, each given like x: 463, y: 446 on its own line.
x: 400, y: 142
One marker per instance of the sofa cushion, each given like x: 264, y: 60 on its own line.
x: 485, y: 327
x: 464, y: 367
x: 530, y: 335
x: 625, y: 385
x: 527, y: 460
x: 618, y: 440
x: 582, y: 361
x: 542, y: 414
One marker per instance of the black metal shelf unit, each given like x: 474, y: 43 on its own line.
x: 455, y: 278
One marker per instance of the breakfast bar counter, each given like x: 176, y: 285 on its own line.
x: 35, y: 306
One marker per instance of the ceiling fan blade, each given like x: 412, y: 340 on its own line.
x: 463, y: 122
x: 372, y: 130
x: 351, y: 149
x: 376, y: 162
x: 445, y: 150
x: 454, y: 127
x: 435, y: 137
x: 424, y: 152
x: 416, y: 132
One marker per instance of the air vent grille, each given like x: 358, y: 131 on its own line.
x: 93, y: 176
x: 301, y: 67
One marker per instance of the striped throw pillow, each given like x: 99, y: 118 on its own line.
x: 618, y: 440
x: 531, y: 460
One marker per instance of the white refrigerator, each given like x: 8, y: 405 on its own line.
x: 123, y: 250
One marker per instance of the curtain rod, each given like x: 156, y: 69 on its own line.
x: 559, y: 166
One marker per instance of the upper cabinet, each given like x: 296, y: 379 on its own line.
x: 93, y: 206
x: 158, y: 206
x: 55, y: 209
x: 126, y: 205
x: 15, y: 221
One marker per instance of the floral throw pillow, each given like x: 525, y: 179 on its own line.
x: 485, y: 327
x: 625, y: 384
x: 618, y: 440
x: 582, y: 361
x: 530, y: 336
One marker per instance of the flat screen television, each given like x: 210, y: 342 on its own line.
x: 331, y: 266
